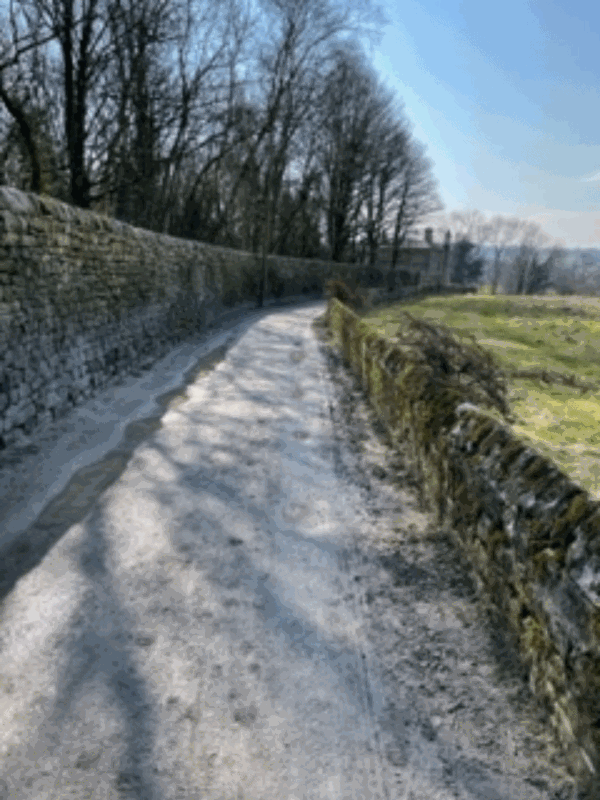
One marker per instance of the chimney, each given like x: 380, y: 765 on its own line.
x: 429, y: 236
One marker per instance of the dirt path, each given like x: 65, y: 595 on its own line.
x: 244, y: 610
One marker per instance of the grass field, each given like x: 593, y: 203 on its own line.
x: 556, y: 335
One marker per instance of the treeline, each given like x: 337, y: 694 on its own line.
x: 254, y: 125
x: 512, y: 255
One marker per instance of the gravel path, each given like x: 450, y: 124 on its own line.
x: 244, y: 606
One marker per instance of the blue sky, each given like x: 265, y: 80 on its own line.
x: 506, y: 96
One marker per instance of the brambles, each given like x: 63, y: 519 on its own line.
x: 342, y: 292
x: 458, y: 363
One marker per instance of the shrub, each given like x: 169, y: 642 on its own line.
x: 342, y: 292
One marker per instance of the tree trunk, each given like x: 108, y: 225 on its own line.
x: 17, y: 112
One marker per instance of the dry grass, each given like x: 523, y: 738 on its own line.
x: 550, y: 349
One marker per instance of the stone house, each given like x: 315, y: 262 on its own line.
x: 420, y: 263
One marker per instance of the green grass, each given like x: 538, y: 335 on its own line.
x: 559, y: 335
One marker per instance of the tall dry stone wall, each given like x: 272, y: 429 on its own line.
x: 86, y: 300
x: 531, y: 535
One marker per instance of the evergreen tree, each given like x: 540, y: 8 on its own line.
x: 466, y: 269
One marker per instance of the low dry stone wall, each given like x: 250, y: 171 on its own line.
x: 86, y: 300
x: 531, y: 535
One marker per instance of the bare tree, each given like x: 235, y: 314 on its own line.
x: 384, y: 169
x: 192, y: 118
x: 138, y: 85
x: 79, y: 29
x: 540, y: 272
x: 297, y: 223
x: 501, y: 233
x: 575, y: 272
x: 416, y: 196
x: 174, y: 73
x: 469, y: 226
x: 302, y: 36
x: 30, y: 156
x: 352, y: 104
x: 528, y: 258
x: 203, y: 185
x: 21, y: 134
